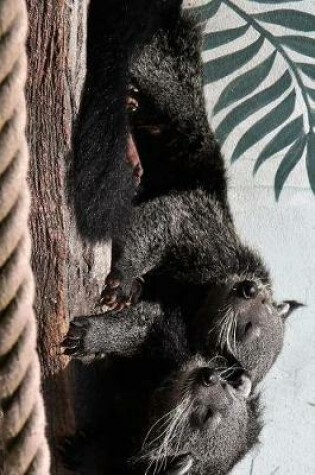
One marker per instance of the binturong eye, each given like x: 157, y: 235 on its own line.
x: 247, y: 289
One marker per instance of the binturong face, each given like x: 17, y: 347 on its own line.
x: 203, y: 420
x: 240, y: 320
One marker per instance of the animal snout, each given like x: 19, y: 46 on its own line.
x: 251, y: 311
x: 212, y: 398
x: 250, y: 329
x: 247, y: 289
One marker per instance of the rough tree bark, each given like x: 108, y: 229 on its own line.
x: 69, y: 273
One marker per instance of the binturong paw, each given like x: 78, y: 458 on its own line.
x: 74, y: 342
x: 119, y: 292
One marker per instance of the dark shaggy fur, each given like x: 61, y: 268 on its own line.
x: 103, y: 182
x: 181, y: 237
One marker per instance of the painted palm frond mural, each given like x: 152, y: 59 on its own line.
x: 263, y: 53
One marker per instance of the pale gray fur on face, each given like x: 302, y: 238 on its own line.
x: 210, y: 421
x: 251, y: 330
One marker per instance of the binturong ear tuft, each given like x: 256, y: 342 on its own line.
x: 180, y: 465
x: 287, y: 307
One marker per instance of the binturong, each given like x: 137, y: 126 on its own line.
x: 178, y: 262
x: 181, y: 238
x: 167, y: 410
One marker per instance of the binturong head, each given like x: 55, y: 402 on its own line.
x: 241, y: 321
x: 203, y: 420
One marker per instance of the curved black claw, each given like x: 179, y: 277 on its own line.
x: 73, y: 343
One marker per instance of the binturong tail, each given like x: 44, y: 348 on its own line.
x: 103, y: 182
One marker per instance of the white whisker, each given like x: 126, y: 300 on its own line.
x: 173, y: 425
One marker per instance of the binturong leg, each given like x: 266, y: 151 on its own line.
x: 120, y: 333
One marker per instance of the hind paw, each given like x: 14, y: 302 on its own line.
x: 120, y: 293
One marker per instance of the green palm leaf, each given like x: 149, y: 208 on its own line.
x: 301, y: 44
x: 266, y: 124
x: 311, y: 93
x: 204, y: 12
x: 244, y: 84
x: 292, y: 133
x: 293, y: 19
x: 310, y: 159
x: 289, y: 134
x: 308, y: 69
x: 219, y: 38
x: 289, y: 161
x: 252, y: 105
x: 225, y: 65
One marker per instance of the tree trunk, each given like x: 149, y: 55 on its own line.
x: 69, y: 272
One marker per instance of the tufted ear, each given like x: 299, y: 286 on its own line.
x: 179, y: 466
x: 242, y: 384
x: 287, y: 307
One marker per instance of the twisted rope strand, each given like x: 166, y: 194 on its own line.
x: 23, y: 445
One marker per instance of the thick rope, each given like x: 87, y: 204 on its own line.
x: 23, y: 446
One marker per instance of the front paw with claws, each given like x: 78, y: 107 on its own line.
x: 120, y: 293
x: 74, y: 342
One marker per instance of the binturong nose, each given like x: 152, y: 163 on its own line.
x: 249, y: 328
x: 212, y: 398
x: 249, y: 324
